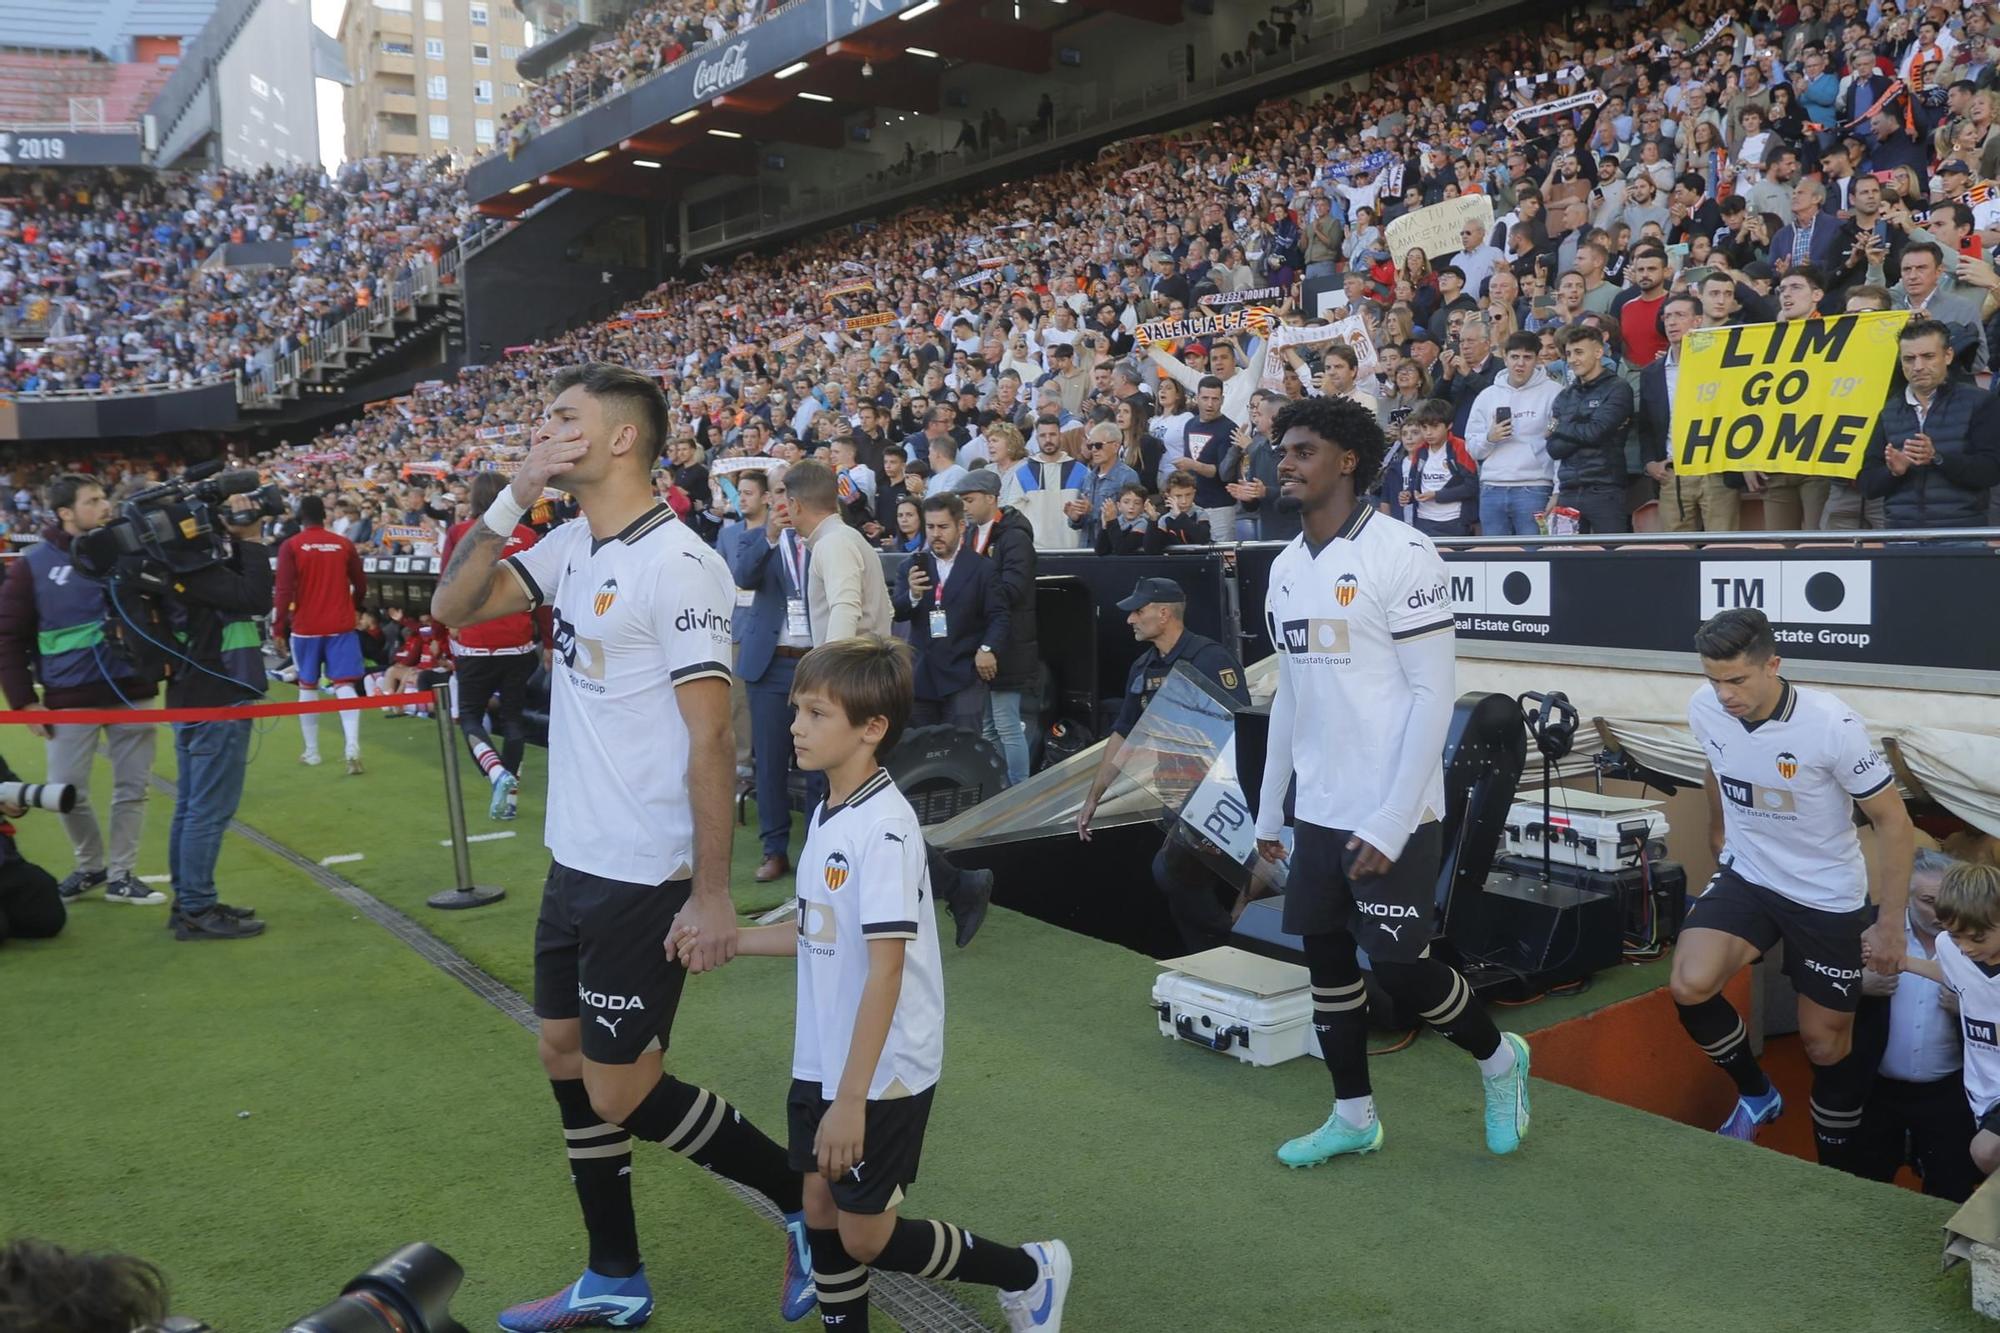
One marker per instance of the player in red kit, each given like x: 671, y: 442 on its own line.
x: 494, y: 659
x: 319, y: 594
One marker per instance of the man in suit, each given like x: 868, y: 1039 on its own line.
x: 1008, y: 540
x: 769, y: 560
x: 957, y: 612
x: 1814, y: 234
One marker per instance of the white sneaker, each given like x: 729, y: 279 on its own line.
x: 310, y: 759
x: 354, y: 769
x: 1040, y: 1307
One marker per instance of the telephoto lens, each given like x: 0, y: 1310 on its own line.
x: 408, y: 1292
x: 57, y: 796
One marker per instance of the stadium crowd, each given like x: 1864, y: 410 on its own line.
x: 115, y: 266
x: 652, y: 38
x: 1727, y: 160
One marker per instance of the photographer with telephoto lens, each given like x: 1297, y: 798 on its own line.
x: 30, y: 906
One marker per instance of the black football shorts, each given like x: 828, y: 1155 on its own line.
x: 601, y: 956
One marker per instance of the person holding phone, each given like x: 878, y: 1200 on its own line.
x: 1507, y: 433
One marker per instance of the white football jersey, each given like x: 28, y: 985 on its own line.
x: 636, y: 616
x: 1788, y: 786
x: 1336, y: 618
x: 1978, y: 987
x: 862, y: 877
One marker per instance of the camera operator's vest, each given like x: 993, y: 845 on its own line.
x: 69, y: 612
x: 243, y: 652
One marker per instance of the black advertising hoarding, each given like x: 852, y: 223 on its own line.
x: 1920, y: 607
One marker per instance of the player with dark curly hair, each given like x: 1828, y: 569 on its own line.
x: 1359, y: 610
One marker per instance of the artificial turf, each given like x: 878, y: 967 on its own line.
x: 388, y: 1104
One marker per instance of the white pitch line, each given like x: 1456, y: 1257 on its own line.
x: 482, y: 837
x: 156, y: 879
x: 342, y: 859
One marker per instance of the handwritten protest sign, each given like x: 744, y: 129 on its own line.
x: 1798, y: 397
x: 1434, y: 230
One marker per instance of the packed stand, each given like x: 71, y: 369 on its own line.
x: 1523, y: 370
x: 652, y: 38
x: 106, y: 267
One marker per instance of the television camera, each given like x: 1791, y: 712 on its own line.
x: 171, y: 529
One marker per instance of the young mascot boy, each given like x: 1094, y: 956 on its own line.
x: 870, y: 1039
x: 1968, y: 964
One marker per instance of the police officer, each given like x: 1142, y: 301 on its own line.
x: 1157, y: 613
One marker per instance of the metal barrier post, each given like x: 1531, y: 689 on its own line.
x: 466, y: 894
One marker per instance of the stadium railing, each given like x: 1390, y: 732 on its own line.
x: 1328, y: 36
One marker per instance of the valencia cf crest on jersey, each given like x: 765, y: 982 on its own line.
x: 836, y: 871
x: 607, y: 593
x: 1345, y: 588
x: 1788, y: 765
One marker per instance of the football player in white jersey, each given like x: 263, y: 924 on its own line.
x: 1968, y: 962
x: 1360, y: 611
x: 1786, y: 767
x: 641, y: 773
x: 869, y: 1043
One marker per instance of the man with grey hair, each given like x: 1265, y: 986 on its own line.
x: 1907, y: 1028
x: 1813, y: 235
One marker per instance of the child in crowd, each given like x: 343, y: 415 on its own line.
x: 1126, y: 528
x: 1182, y: 524
x: 1433, y: 486
x: 869, y: 1044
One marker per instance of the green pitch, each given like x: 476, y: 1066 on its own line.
x: 386, y: 1103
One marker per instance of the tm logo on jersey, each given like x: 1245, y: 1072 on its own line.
x: 1317, y: 640
x: 1980, y: 1031
x: 1760, y: 800
x: 836, y: 871
x: 1788, y: 765
x: 607, y: 593
x: 584, y: 657
x: 1345, y: 589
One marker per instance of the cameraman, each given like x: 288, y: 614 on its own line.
x: 52, y: 619
x: 217, y: 609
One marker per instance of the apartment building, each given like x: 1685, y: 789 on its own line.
x: 430, y: 76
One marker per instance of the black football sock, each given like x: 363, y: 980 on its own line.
x: 1443, y: 999
x: 711, y: 1133
x: 841, y: 1281
x: 1718, y: 1029
x: 1839, y: 1092
x: 939, y: 1250
x: 1340, y: 1012
x: 600, y: 1166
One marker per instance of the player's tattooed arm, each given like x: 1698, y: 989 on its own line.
x: 473, y: 586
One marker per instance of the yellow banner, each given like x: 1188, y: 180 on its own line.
x: 1798, y: 397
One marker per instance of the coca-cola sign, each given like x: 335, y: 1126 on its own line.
x: 724, y: 71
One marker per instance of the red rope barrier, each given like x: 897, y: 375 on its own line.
x: 116, y: 717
